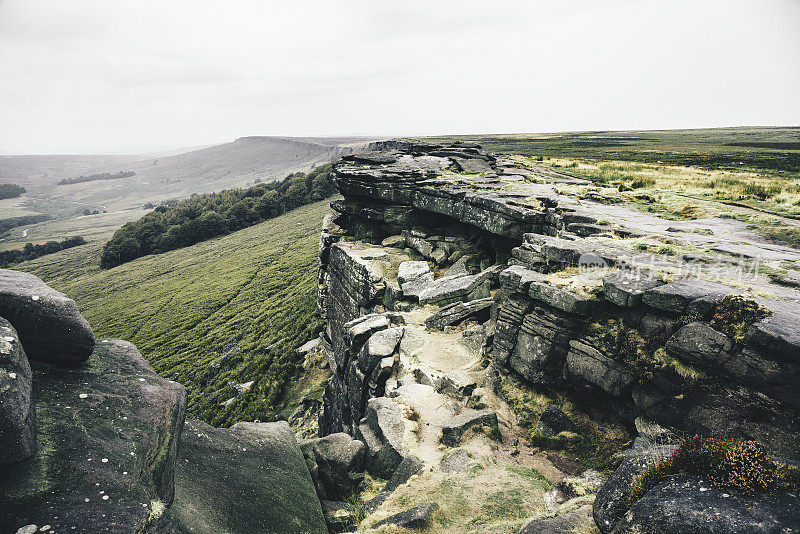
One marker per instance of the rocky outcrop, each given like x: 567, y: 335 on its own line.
x: 17, y: 416
x: 250, y: 478
x: 336, y: 463
x: 106, y: 446
x: 48, y: 323
x: 569, y: 293
x: 684, y: 503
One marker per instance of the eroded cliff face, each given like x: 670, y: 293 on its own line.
x: 444, y: 271
x: 700, y: 342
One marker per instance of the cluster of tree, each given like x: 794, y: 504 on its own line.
x: 100, y: 176
x: 202, y: 217
x: 10, y: 191
x: 13, y: 222
x: 31, y: 251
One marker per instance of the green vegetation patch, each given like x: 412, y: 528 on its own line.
x: 247, y: 299
x: 201, y: 217
x: 10, y: 191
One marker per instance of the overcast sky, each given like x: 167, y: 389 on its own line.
x: 79, y: 76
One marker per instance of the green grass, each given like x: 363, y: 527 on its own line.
x: 183, y: 309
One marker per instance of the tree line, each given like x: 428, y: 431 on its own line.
x: 31, y: 251
x: 201, y: 217
x: 99, y: 176
x: 10, y: 191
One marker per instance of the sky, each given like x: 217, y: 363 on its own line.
x: 103, y: 76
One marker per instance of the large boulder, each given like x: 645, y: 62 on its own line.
x: 250, y: 478
x: 339, y: 464
x: 107, y: 439
x: 48, y: 322
x: 450, y: 289
x: 700, y: 344
x: 17, y: 420
x: 455, y: 428
x: 382, y: 431
x: 686, y: 504
x: 590, y: 369
x: 612, y: 499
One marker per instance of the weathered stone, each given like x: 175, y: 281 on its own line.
x: 456, y: 383
x: 778, y: 378
x: 459, y: 268
x: 730, y: 409
x: 537, y: 359
x: 414, y: 277
x: 611, y: 502
x: 418, y: 517
x: 626, y: 287
x: 17, y: 417
x: 308, y: 346
x: 340, y: 516
x: 454, y: 429
x: 700, y: 344
x: 410, y: 466
x: 780, y: 332
x: 589, y: 368
x: 245, y: 479
x: 568, y: 523
x: 381, y: 344
x: 454, y: 289
x: 456, y: 312
x: 340, y: 463
x: 685, y: 504
x: 553, y: 421
x: 458, y: 461
x: 382, y: 431
x: 107, y: 439
x: 678, y: 296
x: 48, y: 323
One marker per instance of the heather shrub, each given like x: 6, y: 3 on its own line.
x: 743, y: 466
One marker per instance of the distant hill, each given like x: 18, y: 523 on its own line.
x: 233, y: 298
x: 158, y: 179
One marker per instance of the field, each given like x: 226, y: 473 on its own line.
x: 764, y: 148
x: 232, y: 297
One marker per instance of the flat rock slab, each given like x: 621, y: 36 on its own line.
x: 250, y: 478
x: 451, y: 289
x: 418, y: 517
x: 625, y: 288
x: 48, y: 322
x: 678, y: 296
x: 107, y: 438
x: 457, y: 312
x: 455, y: 428
x: 17, y: 418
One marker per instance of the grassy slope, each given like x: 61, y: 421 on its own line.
x: 233, y: 295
